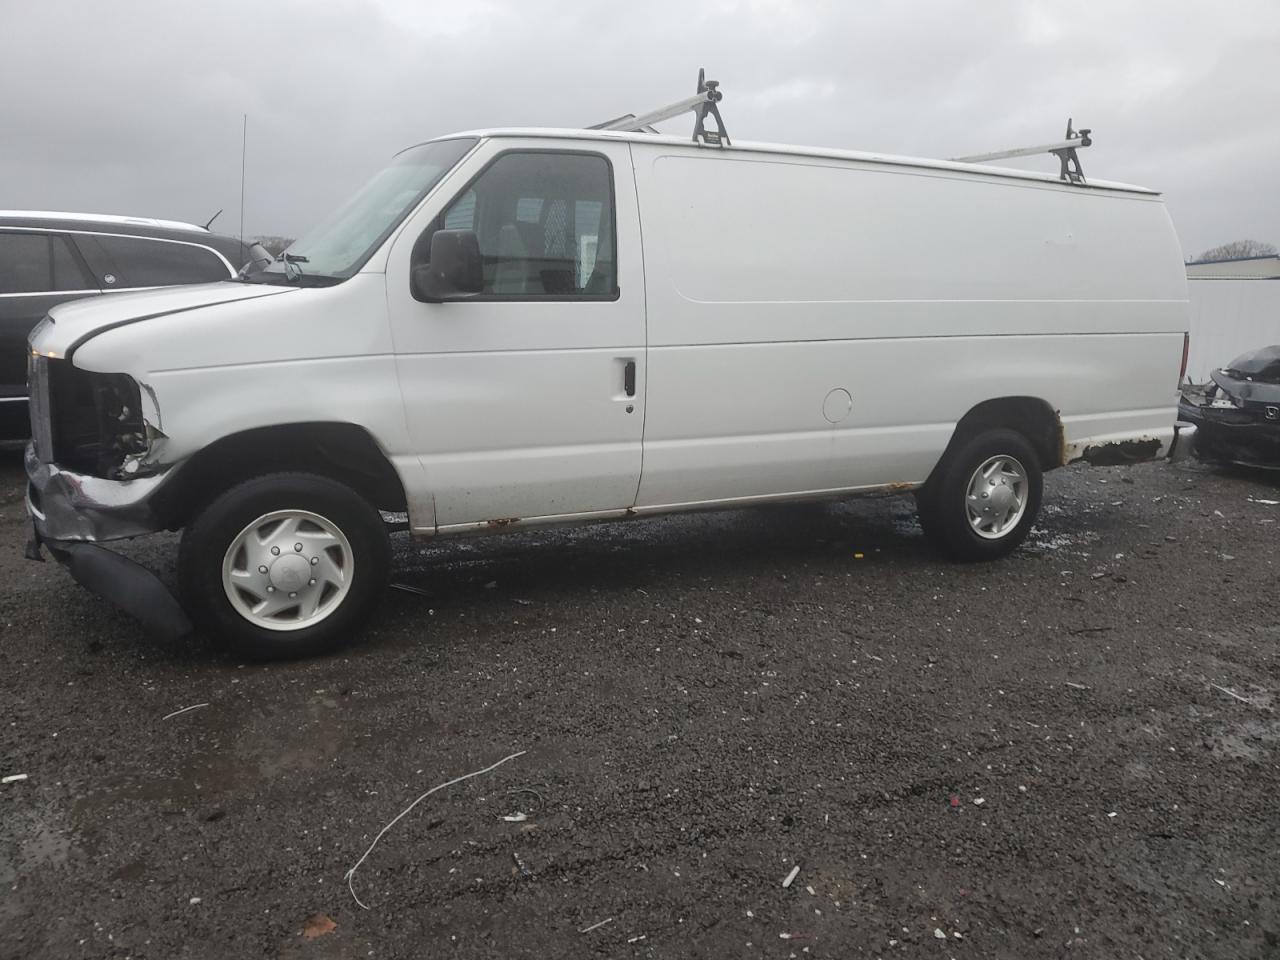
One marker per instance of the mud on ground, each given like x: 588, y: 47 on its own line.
x: 1070, y: 753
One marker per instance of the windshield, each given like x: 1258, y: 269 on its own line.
x: 342, y: 242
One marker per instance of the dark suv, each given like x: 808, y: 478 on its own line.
x: 46, y: 258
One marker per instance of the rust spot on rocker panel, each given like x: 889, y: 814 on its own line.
x: 1122, y: 452
x: 501, y: 522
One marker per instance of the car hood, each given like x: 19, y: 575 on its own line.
x: 71, y: 324
x: 1247, y: 391
x: 1260, y: 365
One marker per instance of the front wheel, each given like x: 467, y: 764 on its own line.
x: 984, y: 497
x: 285, y: 565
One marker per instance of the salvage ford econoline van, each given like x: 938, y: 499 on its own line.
x: 511, y: 328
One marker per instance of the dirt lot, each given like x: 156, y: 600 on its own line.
x: 1071, y: 753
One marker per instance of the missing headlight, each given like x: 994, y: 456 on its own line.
x: 96, y: 419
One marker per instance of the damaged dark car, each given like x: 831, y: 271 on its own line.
x: 1237, y: 414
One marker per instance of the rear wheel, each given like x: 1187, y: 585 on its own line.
x: 284, y: 565
x: 984, y: 497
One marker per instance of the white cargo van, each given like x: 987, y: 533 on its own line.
x: 510, y: 328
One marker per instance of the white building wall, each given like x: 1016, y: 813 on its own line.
x: 1228, y: 318
x: 1255, y: 267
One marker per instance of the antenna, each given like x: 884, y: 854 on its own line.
x: 211, y: 219
x: 244, y: 139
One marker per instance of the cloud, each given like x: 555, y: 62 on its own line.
x: 140, y: 110
x: 802, y: 92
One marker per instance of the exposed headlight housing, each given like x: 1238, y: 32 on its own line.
x: 95, y: 422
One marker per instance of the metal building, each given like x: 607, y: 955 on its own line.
x: 1235, y: 307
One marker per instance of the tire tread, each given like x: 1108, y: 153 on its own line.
x: 941, y: 507
x: 204, y: 544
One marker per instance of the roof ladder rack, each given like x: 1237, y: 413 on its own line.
x: 1064, y: 150
x: 702, y: 103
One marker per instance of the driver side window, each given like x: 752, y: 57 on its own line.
x: 544, y: 225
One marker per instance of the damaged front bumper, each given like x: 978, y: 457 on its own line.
x: 71, y: 512
x: 65, y: 505
x: 1237, y: 413
x: 1225, y: 435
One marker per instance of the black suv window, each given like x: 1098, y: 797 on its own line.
x: 39, y: 263
x: 119, y: 262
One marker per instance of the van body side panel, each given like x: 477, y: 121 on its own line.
x: 777, y: 286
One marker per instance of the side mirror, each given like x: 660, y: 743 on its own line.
x: 259, y: 259
x: 455, y: 271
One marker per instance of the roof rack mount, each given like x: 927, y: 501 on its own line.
x: 706, y: 101
x: 1064, y: 150
x: 702, y: 103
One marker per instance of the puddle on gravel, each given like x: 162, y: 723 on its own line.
x: 40, y: 843
x: 1253, y: 739
x: 242, y: 751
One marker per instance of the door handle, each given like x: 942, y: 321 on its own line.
x: 629, y: 378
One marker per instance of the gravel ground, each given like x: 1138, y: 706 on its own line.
x: 1070, y: 753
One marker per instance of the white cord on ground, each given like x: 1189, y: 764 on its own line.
x: 466, y: 776
x: 1232, y: 693
x: 194, y: 706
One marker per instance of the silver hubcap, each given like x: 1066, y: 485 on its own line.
x: 997, y: 497
x: 287, y: 570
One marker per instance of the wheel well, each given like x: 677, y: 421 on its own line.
x: 341, y: 451
x: 1030, y: 416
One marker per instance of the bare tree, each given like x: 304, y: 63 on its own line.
x: 275, y: 245
x: 1239, y: 250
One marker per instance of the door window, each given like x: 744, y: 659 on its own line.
x: 39, y: 263
x: 24, y: 263
x: 462, y: 215
x: 544, y: 223
x: 68, y: 274
x: 120, y: 262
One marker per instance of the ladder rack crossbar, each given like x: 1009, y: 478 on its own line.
x: 635, y: 124
x: 1064, y: 150
x: 704, y: 103
x: 1021, y: 152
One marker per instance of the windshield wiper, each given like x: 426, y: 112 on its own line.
x: 291, y: 274
x: 291, y: 269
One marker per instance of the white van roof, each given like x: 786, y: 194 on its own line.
x: 788, y: 150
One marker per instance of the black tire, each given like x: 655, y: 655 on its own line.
x: 942, y: 506
x: 205, y: 545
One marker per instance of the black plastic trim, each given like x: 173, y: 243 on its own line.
x: 126, y: 584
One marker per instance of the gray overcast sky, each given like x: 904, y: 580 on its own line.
x: 135, y: 107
